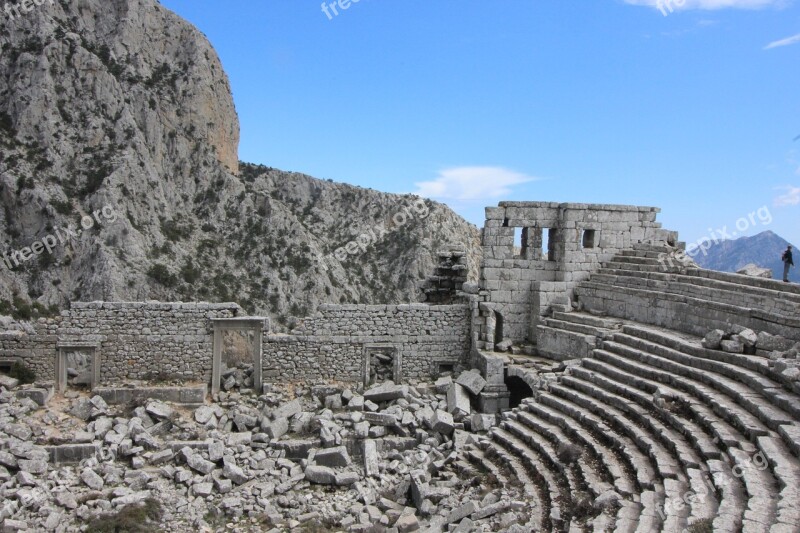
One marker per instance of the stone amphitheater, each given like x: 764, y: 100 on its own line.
x: 628, y: 391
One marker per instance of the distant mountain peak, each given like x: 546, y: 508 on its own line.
x: 763, y: 249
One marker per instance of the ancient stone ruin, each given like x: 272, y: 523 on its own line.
x: 584, y: 383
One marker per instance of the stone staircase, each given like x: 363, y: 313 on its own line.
x: 641, y: 285
x: 656, y: 430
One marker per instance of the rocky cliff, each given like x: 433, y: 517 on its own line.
x: 120, y: 180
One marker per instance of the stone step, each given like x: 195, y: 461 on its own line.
x: 590, y: 291
x: 587, y: 320
x: 548, y: 489
x: 653, y: 377
x: 574, y: 327
x: 636, y: 259
x: 607, y: 407
x: 626, y: 266
x: 584, y: 408
x: 637, y: 464
x: 748, y: 281
x: 642, y: 391
x: 733, y: 501
x: 786, y: 469
x: 624, y: 484
x: 648, y: 247
x: 544, y: 456
x: 652, y: 254
x: 761, y: 489
x: 491, y: 460
x: 705, y: 386
x: 671, y: 439
x: 672, y: 283
x: 754, y: 364
x: 589, y: 476
x: 716, y: 375
x: 775, y: 293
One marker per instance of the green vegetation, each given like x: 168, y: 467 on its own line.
x: 702, y: 526
x: 162, y: 275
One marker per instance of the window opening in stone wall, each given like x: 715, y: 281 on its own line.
x: 588, y: 239
x: 236, y: 371
x: 505, y: 222
x: 519, y: 243
x: 5, y: 366
x: 381, y: 365
x: 549, y: 245
x: 498, y: 328
x: 446, y: 369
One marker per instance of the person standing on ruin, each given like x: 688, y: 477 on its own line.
x: 787, y: 262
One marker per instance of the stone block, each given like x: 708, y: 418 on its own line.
x: 386, y: 392
x: 344, y: 479
x: 442, y: 422
x: 732, y: 346
x: 472, y: 381
x: 288, y: 410
x: 381, y: 419
x: 458, y: 403
x: 371, y: 459
x: 321, y: 475
x: 332, y: 457
x: 276, y: 428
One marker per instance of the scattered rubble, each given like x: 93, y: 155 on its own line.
x: 326, y: 455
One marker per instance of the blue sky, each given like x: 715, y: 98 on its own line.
x: 692, y: 107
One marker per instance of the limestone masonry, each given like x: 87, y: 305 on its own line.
x: 585, y: 382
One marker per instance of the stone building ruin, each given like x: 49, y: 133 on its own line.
x: 617, y: 377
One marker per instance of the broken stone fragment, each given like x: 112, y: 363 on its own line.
x: 458, y: 403
x: 386, y: 392
x: 202, y: 489
x: 732, y: 346
x: 203, y: 414
x: 276, y: 428
x: 196, y: 462
x: 321, y: 475
x: 371, y: 459
x: 288, y: 410
x: 8, y: 382
x: 713, y: 339
x: 344, y: 479
x: 443, y: 384
x: 747, y: 337
x: 159, y: 409
x: 442, y: 422
x: 472, y: 381
x: 234, y: 473
x: 92, y: 479
x: 381, y: 419
x: 332, y: 457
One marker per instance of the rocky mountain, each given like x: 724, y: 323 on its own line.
x: 764, y: 250
x: 120, y: 180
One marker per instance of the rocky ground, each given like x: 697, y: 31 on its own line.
x: 295, y: 458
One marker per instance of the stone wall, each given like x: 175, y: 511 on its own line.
x: 36, y: 350
x: 521, y: 281
x: 139, y: 340
x: 136, y: 340
x: 333, y: 343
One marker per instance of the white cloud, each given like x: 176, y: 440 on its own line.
x: 790, y: 197
x: 472, y: 183
x: 794, y: 39
x: 668, y: 6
